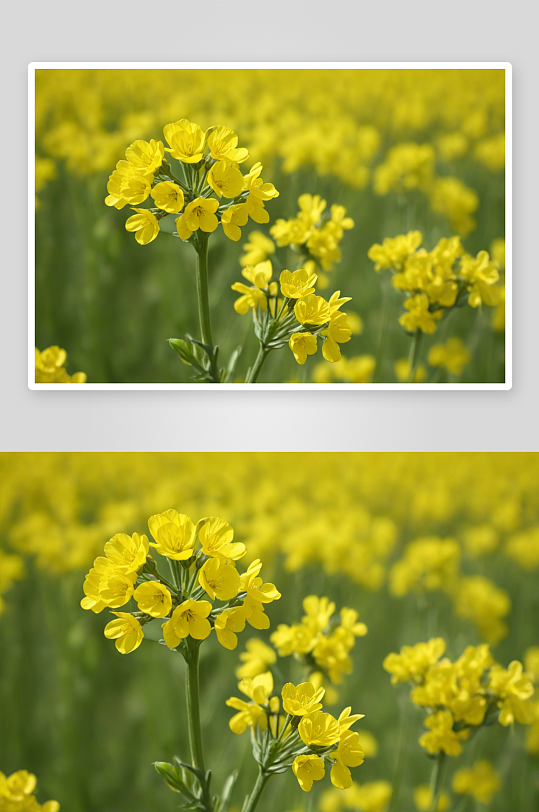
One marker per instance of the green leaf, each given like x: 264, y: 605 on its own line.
x: 174, y: 779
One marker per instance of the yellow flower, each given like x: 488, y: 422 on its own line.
x: 227, y: 626
x: 258, y: 688
x: 18, y: 786
x: 145, y: 156
x: 255, y: 614
x: 442, y: 737
x: 257, y: 248
x: 319, y: 729
x: 216, y: 537
x: 312, y: 309
x: 308, y: 769
x: 481, y: 781
x: 419, y: 317
x: 258, y: 190
x: 301, y: 700
x: 127, y: 553
x: 348, y: 754
x: 144, y: 224
x: 395, y: 250
x: 200, y: 213
x: 298, y: 284
x: 186, y: 141
x: 189, y: 618
x: 174, y: 534
x: 453, y: 355
x: 251, y: 297
x: 219, y: 579
x: 423, y: 799
x: 254, y: 586
x: 514, y: 689
x: 127, y: 632
x: 302, y: 345
x: 256, y: 659
x: 337, y: 332
x: 260, y: 274
x: 249, y: 715
x: 233, y: 218
x: 118, y: 589
x: 223, y: 143
x: 168, y: 196
x: 402, y: 371
x: 481, y: 275
x: 414, y: 661
x: 153, y: 598
x: 225, y: 179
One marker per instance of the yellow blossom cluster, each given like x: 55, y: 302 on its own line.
x: 480, y: 781
x: 332, y: 120
x: 289, y: 311
x: 314, y: 233
x: 357, y: 369
x: 17, y: 794
x: 304, y: 737
x: 50, y: 367
x: 202, y: 560
x: 209, y: 164
x: 435, y: 282
x: 434, y: 564
x: 373, y: 796
x: 462, y: 695
x: 321, y: 641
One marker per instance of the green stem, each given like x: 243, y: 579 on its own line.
x: 193, y: 718
x: 258, y: 789
x: 413, y: 357
x: 254, y: 372
x: 201, y: 248
x: 382, y: 343
x: 436, y: 781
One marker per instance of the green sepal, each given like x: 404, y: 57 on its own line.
x: 174, y: 778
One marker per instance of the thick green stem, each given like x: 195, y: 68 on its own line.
x: 436, y: 781
x: 193, y: 719
x: 202, y: 290
x: 257, y: 366
x: 193, y: 708
x: 258, y: 789
x: 413, y: 358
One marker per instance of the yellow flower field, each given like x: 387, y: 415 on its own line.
x: 357, y: 631
x: 358, y: 213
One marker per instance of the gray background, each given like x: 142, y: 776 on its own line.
x: 269, y: 420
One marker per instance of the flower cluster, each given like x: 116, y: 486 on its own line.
x: 459, y: 696
x: 202, y: 559
x: 212, y: 189
x: 314, y: 233
x: 374, y: 796
x: 357, y: 369
x: 321, y: 641
x: 292, y: 730
x: 289, y: 311
x: 50, y: 367
x: 17, y: 794
x: 480, y: 781
x: 435, y: 282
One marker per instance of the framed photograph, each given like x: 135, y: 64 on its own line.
x: 277, y: 225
